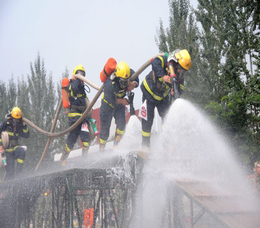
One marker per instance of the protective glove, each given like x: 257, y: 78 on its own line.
x: 131, y: 97
x: 24, y: 148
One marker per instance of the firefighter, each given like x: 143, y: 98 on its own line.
x: 15, y: 128
x: 114, y: 101
x: 77, y: 100
x: 164, y: 81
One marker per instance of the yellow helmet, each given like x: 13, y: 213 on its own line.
x: 16, y: 113
x: 182, y: 57
x: 79, y: 68
x: 122, y: 70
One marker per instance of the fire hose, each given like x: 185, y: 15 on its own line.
x: 51, y: 134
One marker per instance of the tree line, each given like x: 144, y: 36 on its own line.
x: 38, y: 97
x: 222, y: 37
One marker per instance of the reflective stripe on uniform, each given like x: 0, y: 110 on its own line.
x: 120, y: 95
x: 167, y: 88
x: 161, y: 58
x: 67, y: 148
x: 158, y: 98
x: 85, y: 144
x: 72, y: 95
x: 119, y: 132
x: 181, y: 86
x: 146, y: 134
x: 25, y: 130
x: 11, y: 133
x: 20, y: 160
x: 74, y: 114
x: 11, y: 149
x: 112, y: 106
x: 101, y: 141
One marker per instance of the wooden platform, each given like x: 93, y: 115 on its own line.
x: 229, y: 209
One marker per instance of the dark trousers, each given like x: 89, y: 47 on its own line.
x: 77, y: 132
x: 106, y: 115
x: 11, y: 157
x: 162, y: 107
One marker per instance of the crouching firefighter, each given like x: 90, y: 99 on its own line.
x: 164, y: 82
x: 114, y: 101
x: 77, y: 105
x: 14, y: 127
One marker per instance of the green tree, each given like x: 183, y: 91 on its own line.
x: 183, y: 33
x: 43, y: 101
x: 224, y: 52
x: 3, y: 100
x: 229, y: 38
x: 22, y: 97
x: 62, y: 123
x: 11, y: 94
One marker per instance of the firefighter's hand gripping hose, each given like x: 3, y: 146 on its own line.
x: 175, y: 87
x: 131, y: 102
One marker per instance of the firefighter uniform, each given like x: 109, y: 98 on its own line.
x: 15, y: 129
x: 157, y: 94
x: 109, y: 109
x: 77, y: 98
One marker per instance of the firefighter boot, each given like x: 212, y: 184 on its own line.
x: 102, y: 147
x: 64, y: 155
x: 146, y: 144
x: 19, y: 167
x: 117, y: 140
x: 85, y: 151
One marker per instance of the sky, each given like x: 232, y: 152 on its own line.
x: 67, y: 33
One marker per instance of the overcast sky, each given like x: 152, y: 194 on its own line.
x: 67, y: 33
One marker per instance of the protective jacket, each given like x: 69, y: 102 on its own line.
x: 77, y: 98
x: 113, y: 91
x: 153, y: 87
x: 14, y: 130
x: 14, y: 152
x: 109, y: 108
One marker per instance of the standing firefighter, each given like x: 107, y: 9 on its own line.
x: 14, y: 126
x: 113, y: 102
x: 165, y: 80
x: 77, y: 105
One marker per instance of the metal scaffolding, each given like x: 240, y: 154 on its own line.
x: 105, y: 197
x: 70, y: 198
